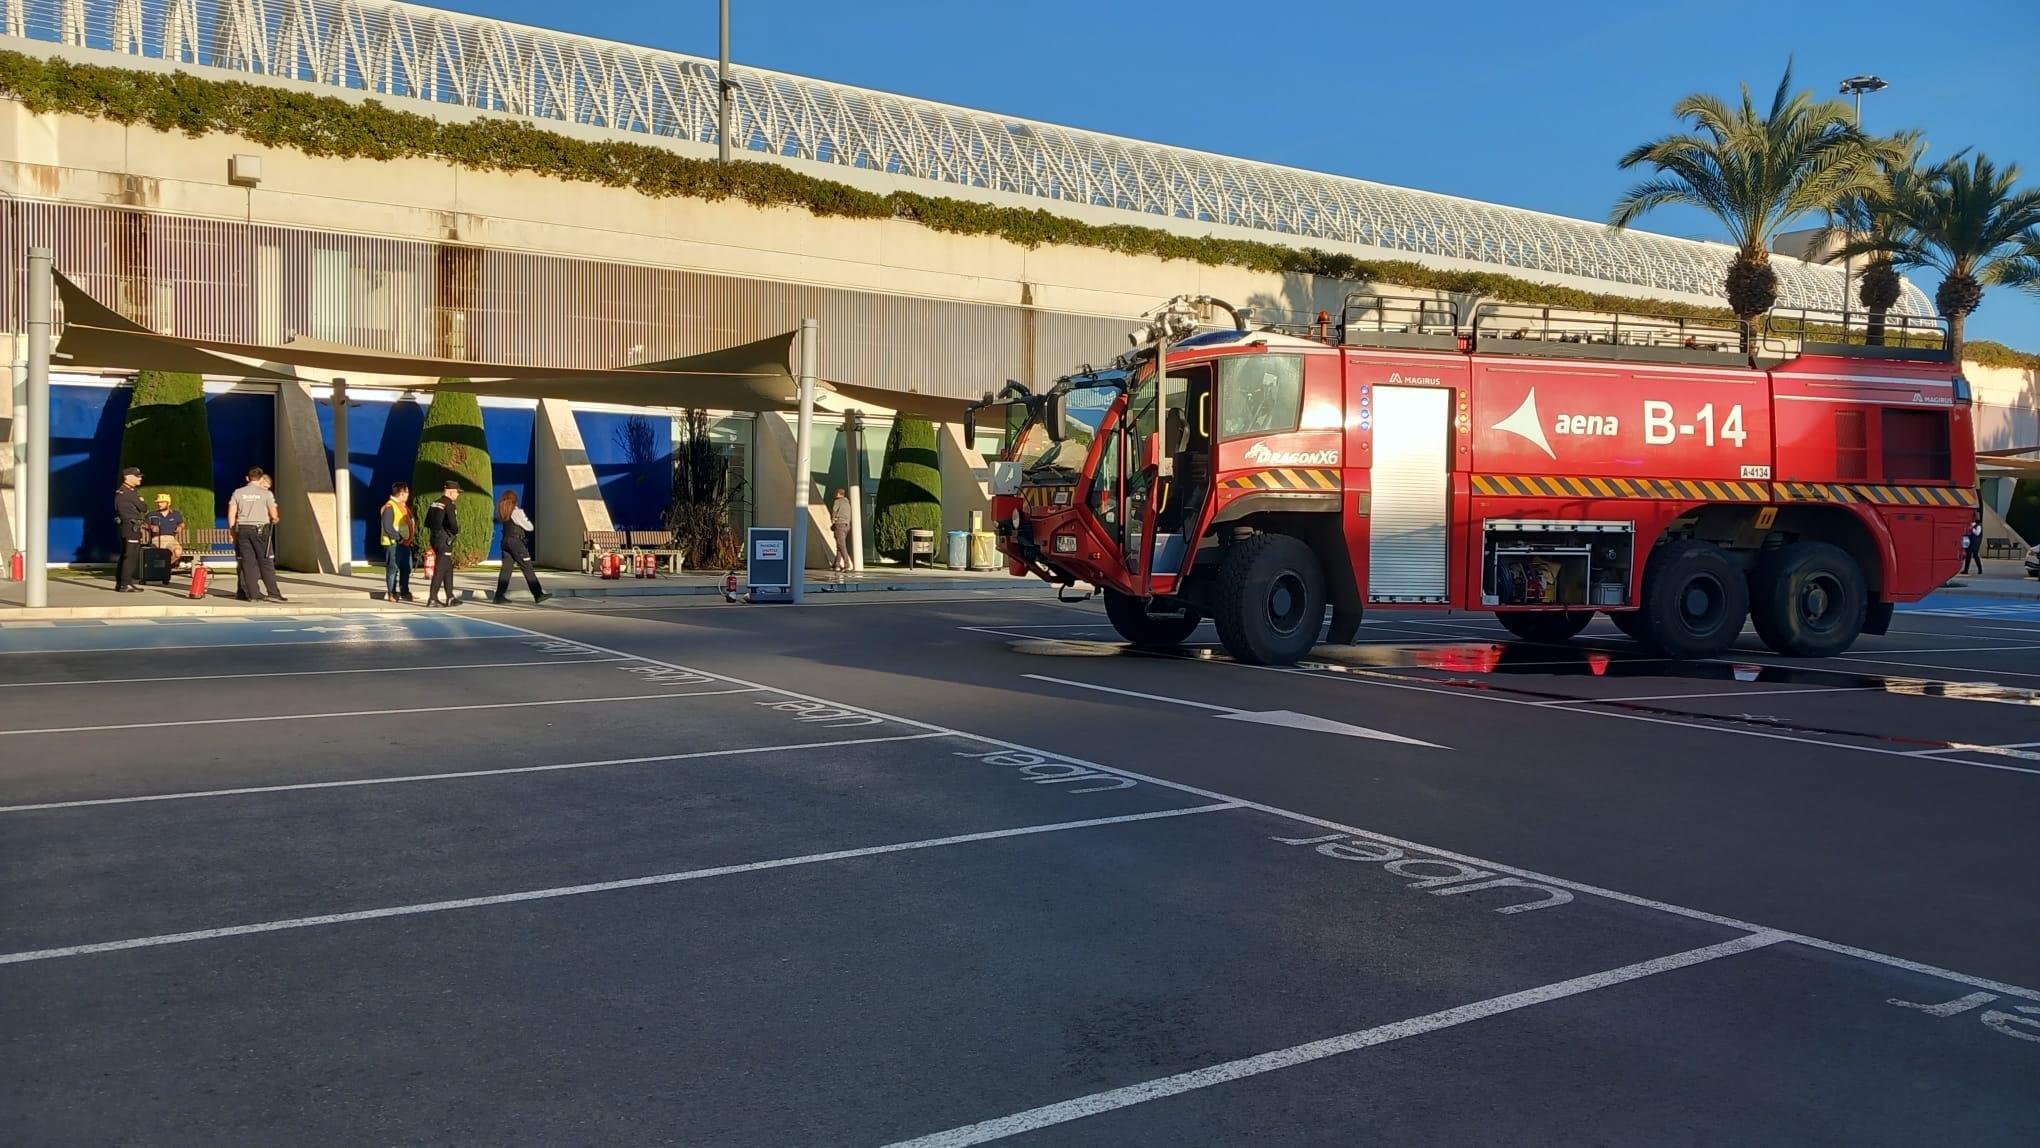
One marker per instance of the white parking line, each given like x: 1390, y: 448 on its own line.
x: 369, y: 713
x: 1370, y: 677
x: 558, y: 891
x: 1720, y: 694
x: 2022, y: 749
x: 1099, y: 1102
x: 161, y: 679
x: 1308, y: 819
x: 341, y: 644
x: 457, y: 775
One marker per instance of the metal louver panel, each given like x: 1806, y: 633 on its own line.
x: 1406, y: 542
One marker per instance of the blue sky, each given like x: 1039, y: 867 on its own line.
x: 1518, y: 103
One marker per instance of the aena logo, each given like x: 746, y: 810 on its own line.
x: 1259, y: 453
x: 1525, y: 424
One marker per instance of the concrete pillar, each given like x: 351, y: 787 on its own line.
x: 36, y: 513
x: 304, y: 484
x: 563, y: 481
x: 17, y: 432
x: 966, y: 479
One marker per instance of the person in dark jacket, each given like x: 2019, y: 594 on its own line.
x: 132, y: 519
x: 516, y: 549
x: 442, y: 526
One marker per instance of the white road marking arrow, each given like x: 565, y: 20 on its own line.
x: 1288, y: 718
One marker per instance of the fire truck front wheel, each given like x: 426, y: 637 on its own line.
x: 1271, y: 600
x: 1808, y: 600
x: 1694, y: 600
x: 1129, y: 615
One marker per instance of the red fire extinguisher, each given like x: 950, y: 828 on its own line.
x: 431, y: 563
x: 17, y: 568
x: 648, y: 566
x: 729, y: 587
x: 612, y: 566
x: 198, y: 579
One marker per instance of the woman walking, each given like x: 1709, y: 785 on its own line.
x: 516, y: 548
x: 839, y: 525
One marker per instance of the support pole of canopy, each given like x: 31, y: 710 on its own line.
x: 803, y: 447
x: 35, y: 512
x: 343, y: 485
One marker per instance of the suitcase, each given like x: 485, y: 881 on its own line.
x: 155, y: 565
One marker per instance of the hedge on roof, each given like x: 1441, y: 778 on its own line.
x: 330, y: 126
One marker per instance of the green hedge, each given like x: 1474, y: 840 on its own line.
x: 453, y: 445
x: 166, y: 435
x: 330, y: 126
x: 1990, y: 353
x: 909, y: 487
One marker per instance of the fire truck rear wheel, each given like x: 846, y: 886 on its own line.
x: 1808, y: 600
x: 1694, y: 600
x: 1549, y: 626
x: 1129, y: 615
x: 1271, y: 600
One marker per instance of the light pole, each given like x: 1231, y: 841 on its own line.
x: 726, y: 91
x: 1855, y: 86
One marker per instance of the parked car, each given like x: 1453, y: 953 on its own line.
x: 2033, y: 561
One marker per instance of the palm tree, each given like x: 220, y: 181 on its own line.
x: 1755, y: 172
x: 1964, y: 220
x: 2023, y: 270
x: 1879, y: 287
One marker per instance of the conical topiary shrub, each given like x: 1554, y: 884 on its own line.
x: 166, y: 436
x: 909, y: 487
x: 452, y: 445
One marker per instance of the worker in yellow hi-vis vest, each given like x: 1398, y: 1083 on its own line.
x: 400, y: 541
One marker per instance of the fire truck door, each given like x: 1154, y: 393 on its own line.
x: 1411, y: 484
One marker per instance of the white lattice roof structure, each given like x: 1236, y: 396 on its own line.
x: 411, y: 52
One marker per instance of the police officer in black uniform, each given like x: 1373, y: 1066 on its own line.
x: 442, y: 526
x: 132, y: 519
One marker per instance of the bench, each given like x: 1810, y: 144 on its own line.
x: 2002, y: 548
x: 208, y: 542
x: 657, y: 543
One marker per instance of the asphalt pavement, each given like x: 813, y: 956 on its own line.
x: 963, y: 870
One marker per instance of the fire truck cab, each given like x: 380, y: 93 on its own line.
x: 1541, y: 464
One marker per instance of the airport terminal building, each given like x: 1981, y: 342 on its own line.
x: 218, y: 236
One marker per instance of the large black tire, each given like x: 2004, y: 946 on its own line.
x: 1271, y: 600
x: 1809, y: 600
x: 1550, y: 627
x: 1631, y: 623
x: 1129, y: 615
x: 1694, y: 601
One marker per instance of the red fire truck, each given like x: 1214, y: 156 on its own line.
x: 1672, y: 474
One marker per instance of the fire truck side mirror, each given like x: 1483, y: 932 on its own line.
x: 1151, y: 453
x: 970, y: 424
x: 1055, y: 413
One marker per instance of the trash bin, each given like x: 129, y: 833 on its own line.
x: 920, y: 544
x: 984, y: 550
x: 959, y: 549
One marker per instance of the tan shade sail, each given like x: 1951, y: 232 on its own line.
x: 754, y: 376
